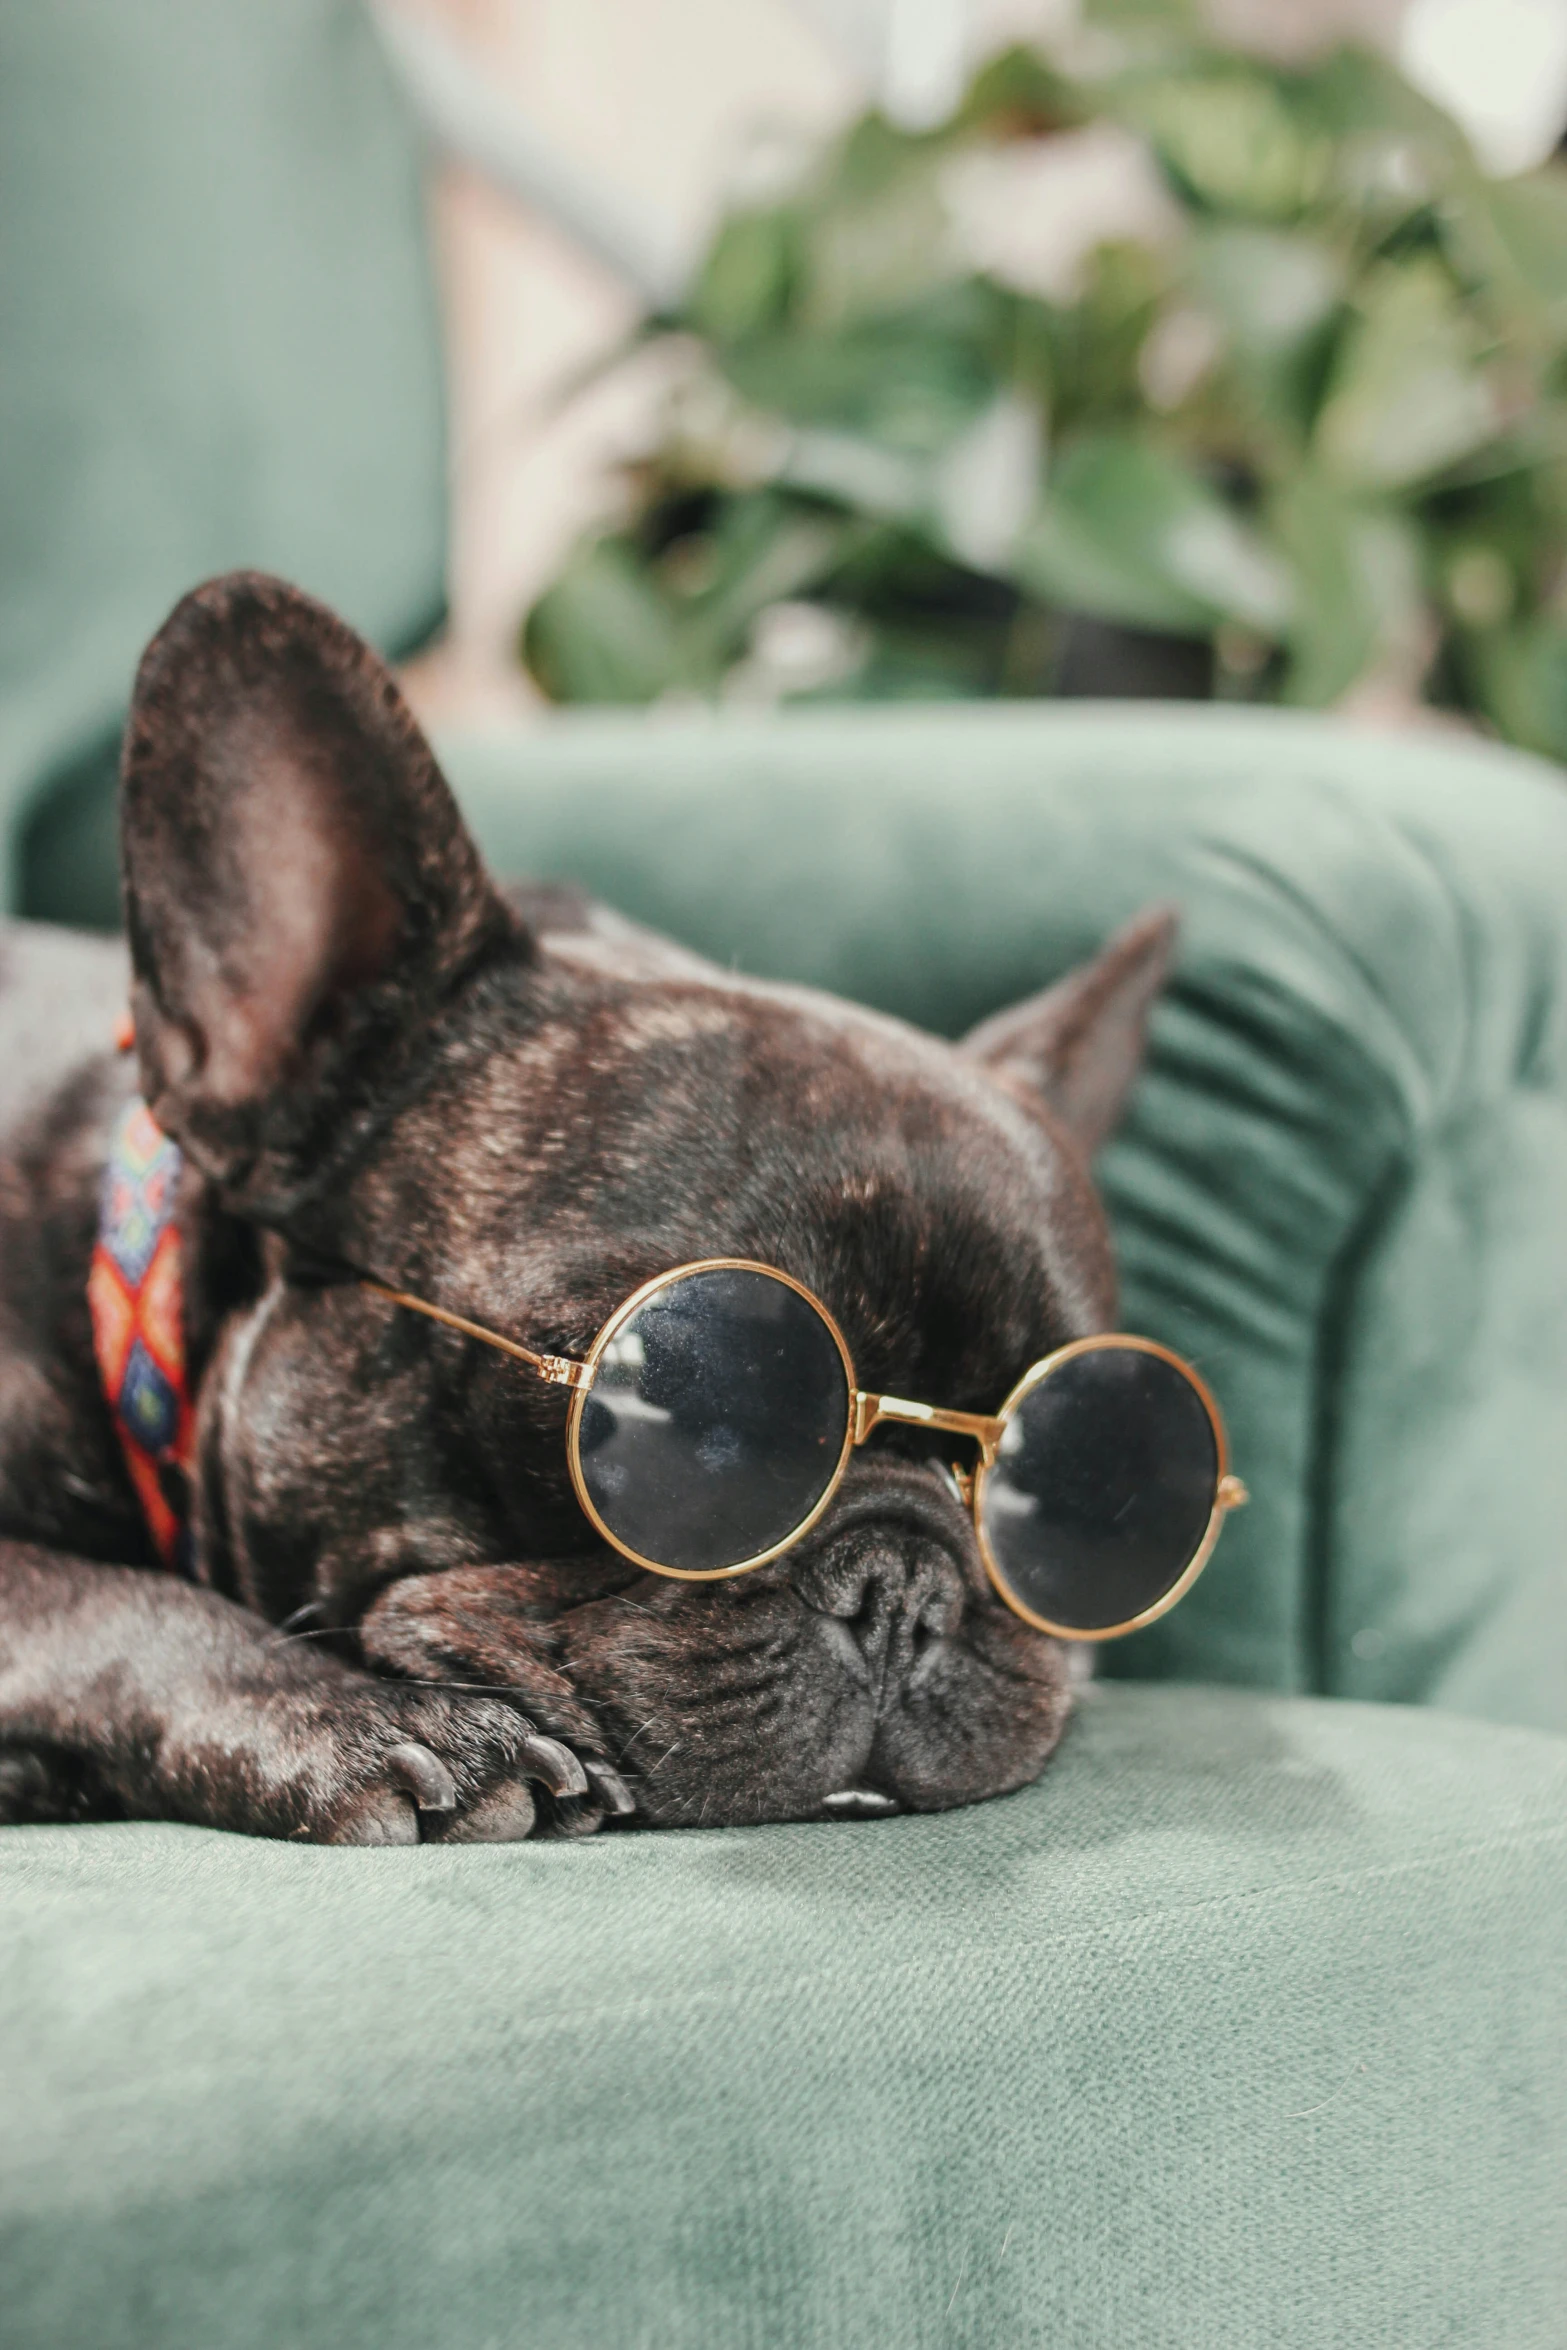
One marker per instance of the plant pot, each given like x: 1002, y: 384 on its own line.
x: 1103, y: 660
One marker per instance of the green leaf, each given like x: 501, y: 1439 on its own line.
x: 863, y: 475
x: 1018, y: 94
x: 1168, y: 29
x: 1511, y: 236
x: 1358, y: 589
x: 603, y: 632
x: 1408, y: 397
x: 1271, y: 289
x: 873, y: 159
x: 988, y: 484
x: 1091, y: 349
x: 1277, y: 296
x: 1356, y: 94
x: 1519, y: 678
x: 748, y: 277
x: 1129, y: 533
x: 913, y: 381
x: 877, y: 238
x: 768, y: 549
x: 1229, y: 143
x: 1519, y: 515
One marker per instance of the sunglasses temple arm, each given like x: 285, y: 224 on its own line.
x: 871, y: 1410
x: 557, y: 1370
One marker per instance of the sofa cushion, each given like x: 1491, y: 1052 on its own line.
x: 1243, y: 2026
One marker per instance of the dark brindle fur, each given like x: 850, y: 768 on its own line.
x: 519, y: 1110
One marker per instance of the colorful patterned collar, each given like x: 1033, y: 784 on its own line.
x: 135, y: 1292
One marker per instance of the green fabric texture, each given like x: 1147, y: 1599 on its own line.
x: 1243, y: 2027
x: 1340, y: 1189
x: 221, y: 348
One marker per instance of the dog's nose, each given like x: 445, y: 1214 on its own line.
x: 891, y: 1593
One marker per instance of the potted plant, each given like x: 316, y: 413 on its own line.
x: 1281, y: 412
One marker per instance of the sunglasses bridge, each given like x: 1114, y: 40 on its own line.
x: 871, y: 1410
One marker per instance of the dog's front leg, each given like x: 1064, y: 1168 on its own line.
x: 128, y: 1693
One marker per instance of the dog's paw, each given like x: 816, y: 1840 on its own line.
x: 470, y: 1771
x: 467, y: 1774
x: 352, y: 1759
x: 466, y: 1628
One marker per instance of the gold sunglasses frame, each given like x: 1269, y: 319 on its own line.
x: 866, y: 1411
x: 1228, y: 1491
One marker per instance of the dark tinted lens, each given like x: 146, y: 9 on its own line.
x: 1102, y: 1492
x: 715, y: 1422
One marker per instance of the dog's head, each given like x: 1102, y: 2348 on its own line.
x: 376, y: 1060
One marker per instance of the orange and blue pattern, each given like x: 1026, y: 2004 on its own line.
x: 136, y: 1295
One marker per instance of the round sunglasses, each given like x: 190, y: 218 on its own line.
x: 717, y: 1410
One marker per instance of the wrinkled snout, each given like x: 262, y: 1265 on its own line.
x: 870, y: 1669
x: 957, y: 1698
x: 890, y: 1576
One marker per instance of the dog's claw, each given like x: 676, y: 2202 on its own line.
x: 611, y: 1791
x: 424, y: 1776
x: 554, y: 1765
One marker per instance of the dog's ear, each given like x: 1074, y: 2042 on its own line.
x: 1079, y: 1044
x: 300, y: 893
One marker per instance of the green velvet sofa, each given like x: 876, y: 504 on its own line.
x: 1245, y: 2027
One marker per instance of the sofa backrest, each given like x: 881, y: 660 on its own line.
x: 1342, y: 1187
x: 220, y: 348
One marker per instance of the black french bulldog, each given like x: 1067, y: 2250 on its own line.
x: 400, y: 1623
